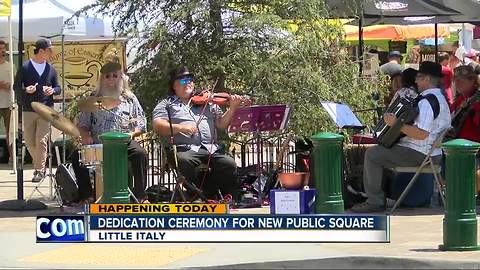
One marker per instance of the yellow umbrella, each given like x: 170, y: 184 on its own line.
x: 397, y: 32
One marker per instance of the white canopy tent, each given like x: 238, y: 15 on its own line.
x: 46, y: 18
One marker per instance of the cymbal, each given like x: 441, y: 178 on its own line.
x: 56, y: 119
x: 93, y: 104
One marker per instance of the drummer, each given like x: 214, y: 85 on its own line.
x: 127, y: 117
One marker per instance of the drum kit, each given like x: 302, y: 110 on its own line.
x: 91, y: 156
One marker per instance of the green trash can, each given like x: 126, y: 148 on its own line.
x: 327, y: 172
x: 115, y: 167
x: 460, y: 221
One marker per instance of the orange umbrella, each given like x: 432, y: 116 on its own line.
x: 397, y: 32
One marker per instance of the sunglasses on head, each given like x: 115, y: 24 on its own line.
x: 186, y: 80
x: 111, y: 75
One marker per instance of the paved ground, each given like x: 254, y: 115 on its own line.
x: 415, y: 236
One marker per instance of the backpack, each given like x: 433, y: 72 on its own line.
x: 66, y: 183
x: 157, y: 194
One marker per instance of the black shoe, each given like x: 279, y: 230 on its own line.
x: 37, y: 176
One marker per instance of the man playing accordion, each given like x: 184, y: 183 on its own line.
x: 412, y: 149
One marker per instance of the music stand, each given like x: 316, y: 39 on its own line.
x: 256, y: 119
x: 342, y: 115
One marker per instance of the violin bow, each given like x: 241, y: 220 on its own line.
x: 205, y: 105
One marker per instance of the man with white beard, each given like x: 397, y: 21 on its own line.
x: 127, y: 117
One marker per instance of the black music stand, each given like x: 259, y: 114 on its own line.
x: 256, y: 119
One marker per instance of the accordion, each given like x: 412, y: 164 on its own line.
x: 406, y: 110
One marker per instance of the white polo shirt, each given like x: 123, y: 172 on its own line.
x: 426, y: 122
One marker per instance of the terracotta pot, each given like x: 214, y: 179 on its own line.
x: 296, y: 180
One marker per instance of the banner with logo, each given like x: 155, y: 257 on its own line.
x: 83, y: 61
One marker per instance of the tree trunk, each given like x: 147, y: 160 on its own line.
x: 218, y: 41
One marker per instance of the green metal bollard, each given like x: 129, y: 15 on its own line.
x: 327, y: 172
x: 460, y: 221
x: 115, y: 167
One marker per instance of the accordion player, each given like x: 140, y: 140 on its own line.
x: 406, y: 110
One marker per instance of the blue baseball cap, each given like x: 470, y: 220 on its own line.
x: 394, y: 54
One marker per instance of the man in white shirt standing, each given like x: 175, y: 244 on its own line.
x: 5, y: 93
x: 433, y: 118
x: 38, y: 83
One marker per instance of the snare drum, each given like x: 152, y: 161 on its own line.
x: 91, y: 155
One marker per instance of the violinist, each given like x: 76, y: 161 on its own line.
x: 194, y: 129
x: 466, y: 108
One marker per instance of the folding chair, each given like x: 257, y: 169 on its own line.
x: 434, y: 169
x: 181, y: 183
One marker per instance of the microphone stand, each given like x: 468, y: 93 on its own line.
x: 179, y: 178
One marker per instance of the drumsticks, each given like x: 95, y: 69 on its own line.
x: 34, y: 86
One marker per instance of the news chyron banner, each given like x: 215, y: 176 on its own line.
x: 201, y: 223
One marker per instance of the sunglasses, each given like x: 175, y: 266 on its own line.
x: 112, y: 75
x: 185, y: 80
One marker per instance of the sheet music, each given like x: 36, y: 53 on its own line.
x: 260, y: 118
x: 287, y: 202
x: 341, y: 114
x: 286, y: 117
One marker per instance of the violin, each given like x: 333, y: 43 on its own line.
x: 220, y: 98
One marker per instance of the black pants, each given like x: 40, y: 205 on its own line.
x: 136, y: 156
x: 222, y: 175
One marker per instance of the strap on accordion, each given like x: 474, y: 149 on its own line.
x: 432, y: 99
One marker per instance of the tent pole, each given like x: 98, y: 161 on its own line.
x: 13, y: 126
x: 20, y: 107
x: 360, y: 45
x: 436, y: 43
x: 63, y: 93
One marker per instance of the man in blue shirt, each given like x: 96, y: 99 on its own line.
x: 38, y: 82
